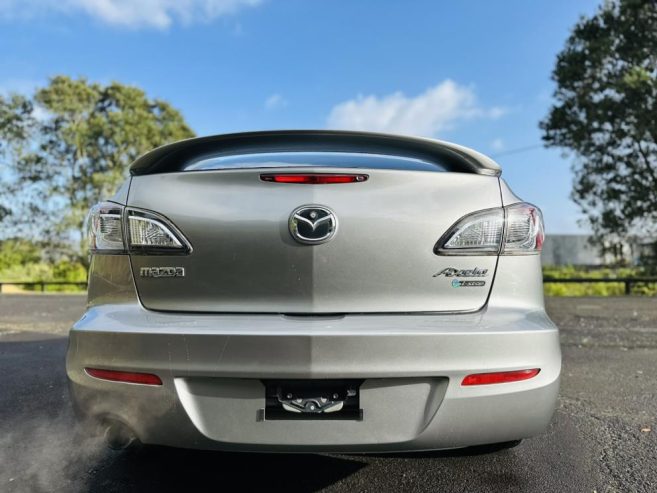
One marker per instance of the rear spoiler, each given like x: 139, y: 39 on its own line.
x: 174, y: 157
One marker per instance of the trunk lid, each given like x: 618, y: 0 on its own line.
x: 380, y: 260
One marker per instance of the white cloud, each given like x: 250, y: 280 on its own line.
x: 437, y: 109
x: 496, y: 112
x: 275, y: 101
x: 497, y: 145
x: 130, y: 13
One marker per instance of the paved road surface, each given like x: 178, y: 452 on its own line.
x: 603, y: 437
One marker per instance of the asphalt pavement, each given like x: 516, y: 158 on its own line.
x: 603, y: 437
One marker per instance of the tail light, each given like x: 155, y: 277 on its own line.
x: 112, y: 228
x: 148, y: 232
x: 513, y: 230
x: 524, y: 230
x: 105, y: 228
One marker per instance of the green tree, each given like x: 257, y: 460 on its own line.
x: 16, y: 124
x: 68, y: 146
x: 606, y: 115
x: 18, y: 252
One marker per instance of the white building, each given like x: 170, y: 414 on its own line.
x: 577, y: 250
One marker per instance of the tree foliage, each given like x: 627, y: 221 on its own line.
x: 18, y: 252
x: 68, y: 146
x: 606, y: 114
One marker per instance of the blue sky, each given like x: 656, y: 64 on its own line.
x: 473, y: 72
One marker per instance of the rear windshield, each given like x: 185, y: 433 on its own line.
x: 312, y: 159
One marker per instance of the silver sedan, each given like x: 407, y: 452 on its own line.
x: 315, y: 291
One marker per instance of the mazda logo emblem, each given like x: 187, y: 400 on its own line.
x: 313, y: 224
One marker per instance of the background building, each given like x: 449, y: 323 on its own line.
x: 578, y: 250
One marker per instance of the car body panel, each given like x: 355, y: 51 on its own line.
x: 380, y: 260
x: 212, y: 366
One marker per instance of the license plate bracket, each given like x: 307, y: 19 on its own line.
x: 312, y: 400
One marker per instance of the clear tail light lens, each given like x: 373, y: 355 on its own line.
x: 105, y: 228
x: 147, y: 232
x: 475, y: 233
x: 524, y: 230
x: 113, y: 228
x: 513, y: 230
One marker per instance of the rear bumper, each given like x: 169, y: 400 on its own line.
x: 211, y: 367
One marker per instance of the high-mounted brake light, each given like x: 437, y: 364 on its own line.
x: 500, y: 377
x: 112, y: 228
x: 124, y: 376
x: 513, y: 230
x: 313, y: 178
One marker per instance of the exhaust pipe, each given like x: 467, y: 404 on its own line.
x: 118, y: 436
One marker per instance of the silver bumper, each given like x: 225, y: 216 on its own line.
x: 211, y: 367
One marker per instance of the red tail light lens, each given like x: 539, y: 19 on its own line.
x: 313, y: 178
x: 124, y: 376
x: 500, y: 377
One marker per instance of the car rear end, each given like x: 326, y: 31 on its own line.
x: 316, y: 291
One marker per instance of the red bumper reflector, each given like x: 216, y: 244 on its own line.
x: 313, y: 178
x: 500, y: 377
x: 124, y: 376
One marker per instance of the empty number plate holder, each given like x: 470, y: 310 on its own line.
x: 312, y: 400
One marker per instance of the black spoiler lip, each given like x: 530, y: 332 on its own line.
x: 173, y: 157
